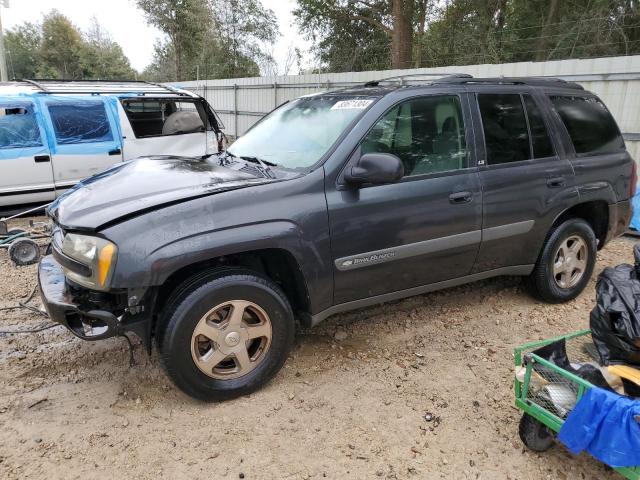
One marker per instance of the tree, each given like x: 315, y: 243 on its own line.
x: 185, y: 22
x: 352, y: 34
x: 58, y: 49
x: 243, y: 27
x: 22, y: 45
x: 102, y: 58
x: 61, y: 47
x: 218, y: 38
x: 396, y: 20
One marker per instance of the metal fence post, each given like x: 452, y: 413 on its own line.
x: 235, y: 110
x: 275, y: 94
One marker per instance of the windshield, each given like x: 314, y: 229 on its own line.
x: 299, y: 133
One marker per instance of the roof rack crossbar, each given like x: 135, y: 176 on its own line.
x: 35, y: 84
x: 375, y: 83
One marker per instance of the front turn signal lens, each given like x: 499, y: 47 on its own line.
x: 105, y: 257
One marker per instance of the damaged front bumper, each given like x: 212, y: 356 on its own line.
x: 83, y: 319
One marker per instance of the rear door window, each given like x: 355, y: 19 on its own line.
x: 82, y: 121
x: 18, y: 127
x: 590, y: 125
x: 505, y: 128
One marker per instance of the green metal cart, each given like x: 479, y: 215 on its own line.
x: 546, y: 393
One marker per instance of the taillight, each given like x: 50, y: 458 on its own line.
x: 634, y: 179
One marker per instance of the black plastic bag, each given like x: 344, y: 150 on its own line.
x: 615, y: 320
x: 556, y: 353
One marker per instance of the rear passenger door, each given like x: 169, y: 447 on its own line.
x: 84, y: 136
x: 599, y: 157
x: 25, y: 167
x: 526, y: 179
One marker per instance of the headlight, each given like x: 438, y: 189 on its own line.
x: 97, y: 254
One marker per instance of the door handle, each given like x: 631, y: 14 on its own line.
x: 460, y: 197
x: 42, y: 158
x: 115, y: 151
x: 556, y: 182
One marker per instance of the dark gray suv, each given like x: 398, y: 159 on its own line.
x: 333, y: 202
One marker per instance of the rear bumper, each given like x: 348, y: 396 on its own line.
x: 619, y: 219
x: 85, y: 323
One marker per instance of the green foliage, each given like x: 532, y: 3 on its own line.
x: 61, y: 47
x: 57, y: 49
x: 185, y: 23
x: 101, y: 57
x: 343, y: 40
x: 354, y: 34
x: 22, y: 46
x: 227, y: 38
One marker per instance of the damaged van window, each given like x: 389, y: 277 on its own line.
x: 157, y: 117
x: 18, y: 128
x: 80, y: 122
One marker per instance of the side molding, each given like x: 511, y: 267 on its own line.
x: 406, y: 251
x: 409, y: 292
x: 508, y: 230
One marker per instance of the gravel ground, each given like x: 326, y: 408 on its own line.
x: 350, y: 402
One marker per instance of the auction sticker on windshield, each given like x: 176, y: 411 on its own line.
x: 351, y: 104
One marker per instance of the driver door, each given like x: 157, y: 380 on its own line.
x: 424, y: 229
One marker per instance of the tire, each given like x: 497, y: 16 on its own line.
x: 208, y: 303
x: 557, y: 253
x: 535, y: 435
x: 24, y: 251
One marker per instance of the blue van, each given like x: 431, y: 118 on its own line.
x: 54, y: 133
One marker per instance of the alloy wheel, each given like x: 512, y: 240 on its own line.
x: 231, y: 339
x: 570, y: 262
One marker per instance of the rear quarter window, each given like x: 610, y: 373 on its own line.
x: 590, y: 125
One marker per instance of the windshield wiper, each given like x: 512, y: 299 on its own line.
x: 261, y: 161
x: 265, y: 164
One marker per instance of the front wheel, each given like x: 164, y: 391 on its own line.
x: 565, y: 264
x: 226, y: 336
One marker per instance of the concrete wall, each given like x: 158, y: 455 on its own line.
x: 240, y: 102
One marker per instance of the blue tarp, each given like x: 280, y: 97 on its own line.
x: 604, y: 424
x: 635, y: 218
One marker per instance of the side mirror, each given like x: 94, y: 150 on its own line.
x: 375, y: 168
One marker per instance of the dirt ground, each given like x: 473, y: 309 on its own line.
x: 350, y: 402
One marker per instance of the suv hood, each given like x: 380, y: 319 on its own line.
x: 141, y: 185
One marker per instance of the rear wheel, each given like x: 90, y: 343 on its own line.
x: 534, y: 434
x: 226, y: 336
x: 565, y: 264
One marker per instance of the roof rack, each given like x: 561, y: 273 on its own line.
x: 95, y: 87
x: 531, y: 81
x: 445, y: 75
x: 464, y: 78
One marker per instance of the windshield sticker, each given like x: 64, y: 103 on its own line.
x: 352, y: 104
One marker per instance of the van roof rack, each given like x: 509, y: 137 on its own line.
x: 445, y: 75
x: 96, y: 87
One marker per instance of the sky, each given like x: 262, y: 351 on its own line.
x: 127, y: 26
